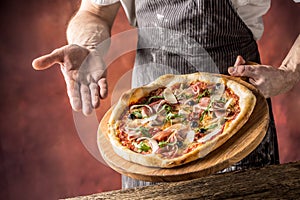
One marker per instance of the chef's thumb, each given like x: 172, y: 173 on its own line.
x: 239, y: 61
x: 236, y: 70
x: 48, y: 60
x: 231, y: 70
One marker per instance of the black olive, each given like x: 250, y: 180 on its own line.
x: 191, y: 103
x: 202, y: 130
x: 131, y: 116
x: 194, y: 124
x: 179, y: 144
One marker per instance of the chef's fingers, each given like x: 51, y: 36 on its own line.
x: 73, y: 91
x: 243, y: 70
x: 94, y: 88
x: 103, y: 88
x: 86, y: 99
x: 46, y: 61
x: 239, y: 61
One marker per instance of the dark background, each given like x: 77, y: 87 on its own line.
x: 41, y: 155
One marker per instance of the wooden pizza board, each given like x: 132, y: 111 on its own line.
x: 234, y: 150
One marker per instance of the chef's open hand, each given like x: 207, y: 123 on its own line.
x: 269, y: 80
x: 84, y: 74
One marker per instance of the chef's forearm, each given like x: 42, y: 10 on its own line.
x: 91, y: 25
x: 291, y: 62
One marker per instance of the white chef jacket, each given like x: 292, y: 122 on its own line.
x: 250, y: 11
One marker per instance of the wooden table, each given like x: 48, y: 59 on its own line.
x: 271, y: 182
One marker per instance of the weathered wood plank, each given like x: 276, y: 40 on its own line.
x: 277, y: 182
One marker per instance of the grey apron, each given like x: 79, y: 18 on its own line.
x: 186, y: 36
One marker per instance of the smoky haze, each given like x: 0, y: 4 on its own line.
x: 41, y: 155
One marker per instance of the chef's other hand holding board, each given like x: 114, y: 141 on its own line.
x: 269, y: 80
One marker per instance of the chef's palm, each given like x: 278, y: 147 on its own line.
x: 84, y: 73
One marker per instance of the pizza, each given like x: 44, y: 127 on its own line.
x: 177, y: 119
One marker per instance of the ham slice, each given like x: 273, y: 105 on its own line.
x: 204, y: 101
x: 162, y: 135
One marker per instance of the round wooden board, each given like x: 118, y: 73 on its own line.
x: 234, y: 150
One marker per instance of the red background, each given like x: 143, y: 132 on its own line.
x: 41, y: 155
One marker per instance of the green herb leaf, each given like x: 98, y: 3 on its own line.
x: 188, y: 96
x: 197, y: 130
x: 205, y: 112
x: 212, y: 126
x: 154, y: 97
x: 144, y: 147
x: 145, y: 131
x: 167, y: 108
x: 203, y: 130
x: 162, y: 144
x: 223, y: 100
x: 173, y: 116
x: 137, y: 114
x: 204, y: 93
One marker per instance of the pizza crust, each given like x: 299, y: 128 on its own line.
x: 247, y: 101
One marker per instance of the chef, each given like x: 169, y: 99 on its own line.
x: 175, y: 36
